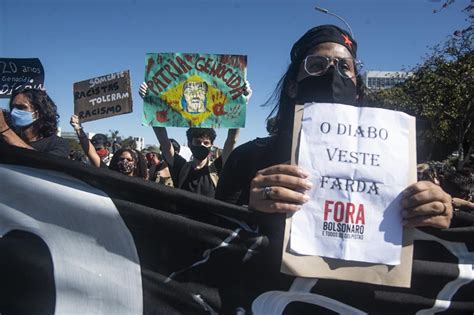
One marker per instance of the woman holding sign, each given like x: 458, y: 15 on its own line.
x: 323, y: 69
x: 127, y: 161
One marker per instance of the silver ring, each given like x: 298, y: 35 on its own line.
x: 267, y: 190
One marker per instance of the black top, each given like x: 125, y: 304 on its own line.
x: 178, y: 163
x: 52, y: 145
x: 434, y: 265
x: 199, y: 182
x: 196, y: 181
x: 243, y: 164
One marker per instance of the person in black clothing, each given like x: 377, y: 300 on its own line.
x: 127, y: 161
x: 202, y: 173
x: 101, y: 145
x: 34, y: 123
x: 323, y: 69
x: 257, y: 175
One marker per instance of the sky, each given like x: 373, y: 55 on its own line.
x: 81, y: 39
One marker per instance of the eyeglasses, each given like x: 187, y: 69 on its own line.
x: 318, y: 65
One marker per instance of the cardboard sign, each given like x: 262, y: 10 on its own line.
x: 317, y: 266
x: 195, y: 90
x: 358, y: 158
x: 105, y: 96
x: 16, y: 73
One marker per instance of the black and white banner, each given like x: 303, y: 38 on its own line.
x: 80, y: 240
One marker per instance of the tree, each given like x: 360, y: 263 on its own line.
x: 440, y: 94
x: 114, y: 134
x: 129, y: 143
x: 468, y: 10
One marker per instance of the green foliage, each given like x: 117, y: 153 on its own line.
x: 439, y: 94
x: 114, y: 134
x: 129, y: 143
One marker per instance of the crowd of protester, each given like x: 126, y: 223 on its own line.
x: 257, y: 169
x: 323, y: 68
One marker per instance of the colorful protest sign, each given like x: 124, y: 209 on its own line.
x: 16, y: 73
x: 195, y: 90
x: 105, y: 96
x: 359, y: 160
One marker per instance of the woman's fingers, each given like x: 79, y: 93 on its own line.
x: 283, y: 180
x: 284, y: 169
x: 426, y: 204
x: 279, y: 188
x: 437, y: 221
x: 277, y: 193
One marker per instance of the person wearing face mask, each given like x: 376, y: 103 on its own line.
x: 324, y: 69
x: 101, y: 145
x: 95, y: 148
x: 34, y: 123
x: 129, y: 162
x: 201, y: 174
x: 257, y: 174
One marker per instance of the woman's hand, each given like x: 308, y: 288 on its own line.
x: 426, y: 204
x: 279, y: 188
x: 75, y: 123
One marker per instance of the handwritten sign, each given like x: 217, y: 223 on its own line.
x: 16, y: 73
x: 195, y: 90
x: 359, y: 163
x: 105, y: 96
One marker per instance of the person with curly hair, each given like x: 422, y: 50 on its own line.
x: 201, y: 174
x: 128, y: 161
x: 34, y: 123
x: 324, y: 68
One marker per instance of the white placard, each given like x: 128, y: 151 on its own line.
x: 358, y: 159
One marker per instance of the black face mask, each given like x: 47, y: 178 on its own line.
x: 199, y: 152
x: 328, y: 88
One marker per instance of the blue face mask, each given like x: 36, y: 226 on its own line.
x: 22, y: 118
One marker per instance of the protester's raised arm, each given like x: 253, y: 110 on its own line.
x: 166, y: 148
x: 230, y: 141
x: 165, y: 144
x: 9, y: 136
x: 86, y: 144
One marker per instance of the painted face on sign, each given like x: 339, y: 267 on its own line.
x: 194, y: 94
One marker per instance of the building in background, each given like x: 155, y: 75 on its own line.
x: 376, y: 80
x: 72, y: 134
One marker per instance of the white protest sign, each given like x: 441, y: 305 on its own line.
x: 358, y: 159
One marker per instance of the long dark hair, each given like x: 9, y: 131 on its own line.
x: 138, y: 158
x: 47, y: 123
x: 283, y: 110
